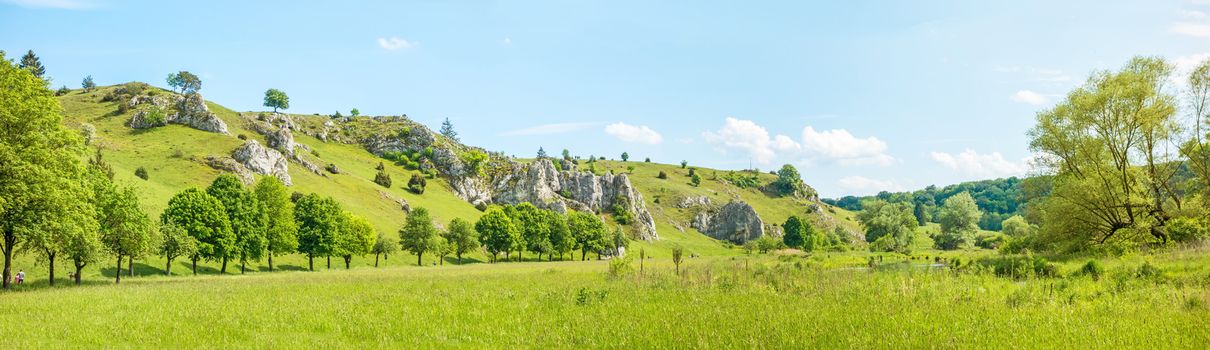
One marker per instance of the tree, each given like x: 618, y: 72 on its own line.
x: 497, y: 232
x: 356, y: 238
x: 319, y: 220
x: 625, y: 156
x: 125, y: 228
x: 88, y: 84
x: 678, y: 253
x: 618, y: 242
x: 247, y: 216
x: 1107, y: 146
x: 1196, y: 148
x: 276, y: 99
x: 184, y: 81
x: 792, y: 235
x: 203, y: 217
x: 417, y: 233
x: 383, y: 179
x: 417, y: 183
x: 561, y: 240
x: 789, y: 183
x: 541, y: 153
x: 281, y: 231
x: 1015, y: 226
x: 447, y: 130
x: 920, y: 211
x: 684, y: 163
x: 461, y: 238
x: 175, y: 242
x: 567, y: 155
x: 33, y: 65
x: 384, y: 246
x: 892, y: 220
x: 40, y: 159
x: 695, y: 180
x: 959, y: 219
x: 535, y: 229
x: 588, y: 230
x: 354, y: 112
x: 51, y: 238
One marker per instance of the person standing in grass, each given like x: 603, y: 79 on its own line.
x: 20, y: 276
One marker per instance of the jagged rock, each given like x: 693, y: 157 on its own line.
x: 309, y: 166
x: 230, y: 165
x: 191, y: 110
x: 157, y: 101
x: 736, y: 222
x: 693, y: 201
x: 281, y: 140
x: 263, y: 160
x: 144, y: 119
x: 403, y: 203
x: 331, y: 168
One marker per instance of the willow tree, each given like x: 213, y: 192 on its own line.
x: 1107, y: 143
x: 1196, y: 147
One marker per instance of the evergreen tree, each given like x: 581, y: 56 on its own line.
x: 447, y: 129
x: 33, y: 64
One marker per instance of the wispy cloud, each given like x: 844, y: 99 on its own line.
x: 1191, y: 29
x: 395, y: 43
x: 55, y: 4
x: 861, y: 185
x: 1029, y: 97
x: 981, y: 165
x: 1043, y: 75
x: 634, y: 134
x: 837, y: 145
x: 551, y: 129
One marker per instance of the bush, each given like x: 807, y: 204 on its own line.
x: 417, y: 183
x: 1020, y: 266
x: 381, y: 167
x: 141, y: 172
x: 331, y: 168
x: 1148, y: 271
x: 990, y: 240
x: 621, y: 215
x: 951, y: 241
x: 620, y: 266
x: 383, y: 179
x: 89, y: 132
x: 692, y: 171
x: 662, y: 176
x: 1092, y: 269
x: 242, y: 137
x: 695, y: 180
x: 1187, y: 229
x: 62, y: 91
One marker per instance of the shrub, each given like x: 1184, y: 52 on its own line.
x: 662, y: 176
x: 1020, y: 266
x: 417, y: 183
x: 294, y: 197
x: 242, y: 137
x: 89, y: 132
x: 383, y: 179
x: 684, y: 163
x: 989, y: 240
x: 1187, y: 229
x: 141, y: 172
x: 620, y: 266
x: 695, y: 180
x: 1148, y: 271
x: 331, y: 168
x: 692, y: 171
x: 315, y: 153
x: 621, y: 215
x: 381, y: 167
x: 647, y: 160
x: 62, y: 91
x: 1092, y: 269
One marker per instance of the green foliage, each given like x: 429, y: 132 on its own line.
x: 204, y: 218
x: 959, y: 219
x: 792, y: 232
x: 33, y: 65
x: 662, y: 175
x: 175, y: 242
x: 497, y: 231
x: 384, y: 245
x: 742, y: 179
x: 990, y: 240
x: 356, y: 237
x: 417, y: 233
x: 621, y: 215
x: 141, y: 173
x: 892, y: 221
x: 561, y: 240
x: 1188, y: 229
x: 276, y: 99
x: 789, y: 183
x: 535, y: 228
x: 625, y: 156
x: 766, y: 243
x: 125, y: 227
x: 695, y: 179
x: 684, y: 163
x: 383, y: 179
x: 1015, y: 226
x: 447, y: 130
x: 1020, y: 266
x: 417, y: 183
x: 88, y: 84
x: 1093, y: 269
x: 247, y: 217
x: 319, y: 220
x: 281, y: 230
x: 461, y: 237
x: 588, y: 231
x: 354, y: 112
x: 184, y: 81
x: 474, y: 160
x: 63, y: 90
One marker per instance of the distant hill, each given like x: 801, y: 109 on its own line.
x: 176, y: 157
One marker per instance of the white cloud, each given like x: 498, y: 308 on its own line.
x: 840, y: 145
x: 982, y: 165
x: 836, y: 145
x: 1191, y: 29
x: 861, y: 185
x: 1195, y: 15
x: 550, y: 129
x: 634, y: 134
x: 54, y: 4
x: 1030, y: 97
x: 1032, y: 74
x: 1184, y: 65
x: 395, y: 43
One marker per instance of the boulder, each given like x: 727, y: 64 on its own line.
x: 232, y: 166
x: 263, y: 160
x: 147, y: 118
x: 693, y: 201
x: 191, y: 110
x: 736, y: 222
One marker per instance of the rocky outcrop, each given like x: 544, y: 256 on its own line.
x: 191, y: 111
x: 736, y: 222
x: 232, y: 166
x: 263, y: 160
x: 147, y: 118
x: 402, y: 203
x: 693, y: 201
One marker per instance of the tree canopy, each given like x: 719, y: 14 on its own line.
x: 276, y: 99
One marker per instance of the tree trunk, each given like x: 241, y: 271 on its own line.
x: 441, y: 260
x: 195, y: 265
x: 51, y: 258
x: 168, y: 268
x: 223, y: 270
x: 270, y: 261
x: 10, y: 239
x: 79, y: 269
x: 329, y: 262
x: 130, y: 268
x: 459, y: 258
x: 117, y: 274
x: 419, y: 258
x: 310, y: 262
x: 583, y: 254
x: 376, y: 259
x: 348, y: 259
x: 243, y: 265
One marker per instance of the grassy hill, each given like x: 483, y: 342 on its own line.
x: 173, y: 156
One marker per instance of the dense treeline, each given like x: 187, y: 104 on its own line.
x: 999, y: 199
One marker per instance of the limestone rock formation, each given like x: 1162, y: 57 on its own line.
x: 736, y: 222
x: 232, y: 166
x: 191, y: 110
x: 693, y: 201
x: 263, y: 160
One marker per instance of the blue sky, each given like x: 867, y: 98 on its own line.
x: 862, y: 96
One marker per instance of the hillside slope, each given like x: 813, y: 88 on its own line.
x: 174, y: 157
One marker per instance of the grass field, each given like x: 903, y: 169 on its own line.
x: 731, y: 302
